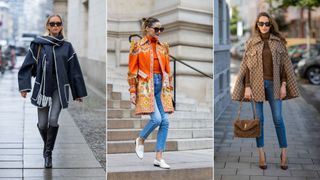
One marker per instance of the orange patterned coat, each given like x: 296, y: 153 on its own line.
x: 252, y: 60
x: 140, y: 75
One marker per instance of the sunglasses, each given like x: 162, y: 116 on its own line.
x: 52, y: 24
x: 156, y: 29
x: 268, y: 24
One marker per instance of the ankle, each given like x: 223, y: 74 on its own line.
x: 284, y: 151
x: 159, y: 156
x: 141, y: 141
x: 261, y: 153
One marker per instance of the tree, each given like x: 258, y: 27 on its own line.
x: 307, y: 4
x: 301, y: 3
x: 235, y: 18
x: 278, y: 14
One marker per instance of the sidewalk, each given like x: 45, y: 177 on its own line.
x: 185, y: 165
x: 21, y: 145
x: 238, y: 159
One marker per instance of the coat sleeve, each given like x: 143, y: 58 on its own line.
x: 25, y: 72
x: 77, y: 85
x: 133, y: 67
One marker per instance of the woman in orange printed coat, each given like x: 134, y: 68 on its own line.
x: 151, y: 86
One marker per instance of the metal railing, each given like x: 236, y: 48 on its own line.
x: 175, y: 60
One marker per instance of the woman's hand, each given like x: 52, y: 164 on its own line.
x: 133, y: 98
x: 283, y: 91
x: 23, y: 94
x: 79, y: 99
x: 248, y: 93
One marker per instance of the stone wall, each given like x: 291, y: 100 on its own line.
x: 61, y: 7
x: 87, y: 32
x: 188, y: 30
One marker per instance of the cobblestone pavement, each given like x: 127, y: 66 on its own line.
x: 90, y: 117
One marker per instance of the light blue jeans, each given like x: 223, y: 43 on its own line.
x: 276, y: 109
x: 157, y: 118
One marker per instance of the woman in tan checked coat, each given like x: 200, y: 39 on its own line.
x: 266, y: 74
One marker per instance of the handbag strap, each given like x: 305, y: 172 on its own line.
x: 254, y: 108
x: 39, y: 47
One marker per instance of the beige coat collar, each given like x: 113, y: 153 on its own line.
x: 257, y: 39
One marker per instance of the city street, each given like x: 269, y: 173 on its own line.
x: 237, y: 158
x: 21, y: 145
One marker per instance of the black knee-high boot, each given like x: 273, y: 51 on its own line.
x: 51, y: 138
x: 43, y: 133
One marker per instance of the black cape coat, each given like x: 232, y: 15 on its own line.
x: 57, y: 57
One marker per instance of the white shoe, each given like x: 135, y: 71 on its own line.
x: 161, y: 164
x: 139, y: 149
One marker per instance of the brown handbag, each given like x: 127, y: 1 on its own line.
x: 247, y: 128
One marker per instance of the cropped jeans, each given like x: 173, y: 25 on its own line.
x: 276, y: 109
x: 157, y: 118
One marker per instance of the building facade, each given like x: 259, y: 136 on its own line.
x: 221, y: 57
x: 188, y: 30
x: 297, y: 19
x: 6, y: 25
x: 61, y: 7
x: 16, y: 11
x: 248, y: 11
x: 86, y: 24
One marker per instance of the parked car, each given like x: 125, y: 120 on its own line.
x: 25, y: 40
x: 8, y: 57
x: 21, y: 51
x: 298, y: 51
x: 298, y: 41
x: 310, y: 68
x: 237, y: 49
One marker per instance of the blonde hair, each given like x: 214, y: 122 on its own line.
x: 47, y: 32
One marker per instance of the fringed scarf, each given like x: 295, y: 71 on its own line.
x: 47, y: 61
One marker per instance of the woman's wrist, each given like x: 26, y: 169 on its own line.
x: 284, y: 83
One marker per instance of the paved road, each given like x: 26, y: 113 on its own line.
x: 21, y: 144
x: 238, y: 159
x: 311, y: 93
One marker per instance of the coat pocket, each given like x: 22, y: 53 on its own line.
x: 252, y: 59
x: 35, y: 91
x: 142, y: 74
x: 280, y: 54
x: 143, y: 88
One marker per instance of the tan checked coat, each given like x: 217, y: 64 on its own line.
x: 252, y: 60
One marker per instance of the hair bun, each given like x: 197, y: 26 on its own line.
x: 144, y: 19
